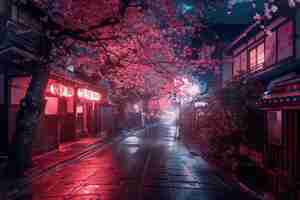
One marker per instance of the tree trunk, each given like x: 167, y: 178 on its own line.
x: 31, y: 108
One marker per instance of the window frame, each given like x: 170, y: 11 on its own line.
x: 252, y: 67
x: 262, y: 64
x: 257, y: 66
x: 254, y: 42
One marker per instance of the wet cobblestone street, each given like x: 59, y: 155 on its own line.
x: 148, y: 165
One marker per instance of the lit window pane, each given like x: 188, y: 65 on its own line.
x: 261, y: 54
x: 51, y: 105
x: 253, y: 59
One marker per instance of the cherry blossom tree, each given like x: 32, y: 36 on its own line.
x: 130, y: 43
x: 138, y: 46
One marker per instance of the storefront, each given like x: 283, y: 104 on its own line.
x: 72, y: 111
x: 282, y: 135
x: 87, y: 112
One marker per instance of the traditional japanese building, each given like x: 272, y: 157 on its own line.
x: 272, y: 56
x: 75, y: 106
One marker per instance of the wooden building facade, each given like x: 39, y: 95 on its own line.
x: 74, y: 106
x: 273, y: 57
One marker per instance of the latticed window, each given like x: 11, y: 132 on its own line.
x: 261, y: 54
x: 253, y: 59
x: 257, y: 57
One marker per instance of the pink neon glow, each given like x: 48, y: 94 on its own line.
x: 79, y: 109
x: 51, y: 105
x: 61, y: 90
x: 88, y: 94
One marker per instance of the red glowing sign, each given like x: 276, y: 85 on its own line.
x: 88, y: 94
x: 61, y: 90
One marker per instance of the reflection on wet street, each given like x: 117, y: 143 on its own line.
x: 148, y: 165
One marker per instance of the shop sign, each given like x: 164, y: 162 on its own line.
x: 88, y: 94
x: 58, y: 89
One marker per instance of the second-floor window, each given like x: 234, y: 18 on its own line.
x: 274, y: 48
x: 240, y: 63
x: 257, y: 57
x: 253, y: 58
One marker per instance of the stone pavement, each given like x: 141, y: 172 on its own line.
x: 197, y: 147
x: 66, y: 151
x: 147, y: 165
x: 53, y: 160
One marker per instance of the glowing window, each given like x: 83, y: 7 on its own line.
x: 261, y: 54
x: 253, y: 59
x: 51, y: 107
x: 79, y: 109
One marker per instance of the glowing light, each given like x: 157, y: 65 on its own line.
x: 79, y: 109
x: 133, y: 150
x: 132, y: 140
x: 136, y: 108
x: 193, y: 90
x: 71, y: 68
x: 88, y: 94
x: 170, y: 116
x: 201, y: 104
x: 61, y: 90
x: 186, y: 8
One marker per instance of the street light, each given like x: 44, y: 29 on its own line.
x: 136, y: 108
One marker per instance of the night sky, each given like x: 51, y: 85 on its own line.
x: 227, y: 23
x: 242, y: 13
